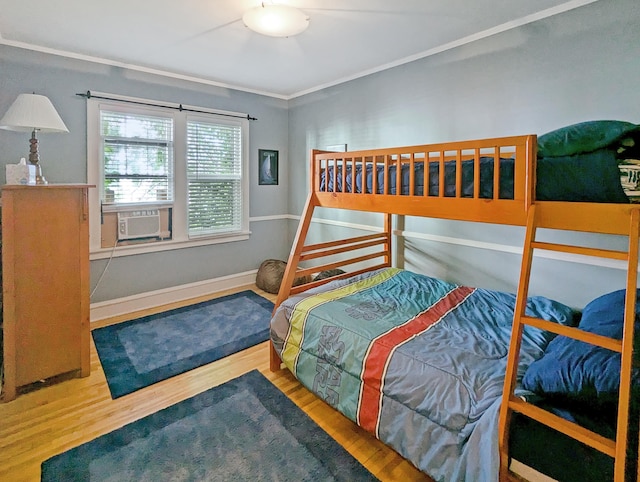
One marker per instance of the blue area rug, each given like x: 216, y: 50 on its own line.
x: 140, y: 352
x: 244, y: 430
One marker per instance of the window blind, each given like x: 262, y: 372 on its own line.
x: 137, y: 153
x: 214, y: 177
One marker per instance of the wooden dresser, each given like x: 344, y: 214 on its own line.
x: 45, y: 285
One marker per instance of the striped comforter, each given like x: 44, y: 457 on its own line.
x: 416, y: 361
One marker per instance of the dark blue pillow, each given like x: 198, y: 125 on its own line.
x: 571, y: 367
x: 591, y: 177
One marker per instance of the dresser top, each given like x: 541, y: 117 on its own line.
x: 11, y: 187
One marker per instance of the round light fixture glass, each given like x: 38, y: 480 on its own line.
x: 276, y: 20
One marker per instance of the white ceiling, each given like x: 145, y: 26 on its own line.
x: 206, y: 41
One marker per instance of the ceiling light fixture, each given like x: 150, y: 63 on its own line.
x: 276, y: 20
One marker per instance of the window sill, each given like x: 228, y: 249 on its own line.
x: 131, y: 250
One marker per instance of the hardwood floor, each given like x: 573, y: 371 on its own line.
x: 52, y: 419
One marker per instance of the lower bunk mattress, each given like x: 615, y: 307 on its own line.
x: 416, y: 361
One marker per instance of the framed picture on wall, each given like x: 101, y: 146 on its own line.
x: 267, y: 167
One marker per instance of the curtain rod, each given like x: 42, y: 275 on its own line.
x: 179, y: 107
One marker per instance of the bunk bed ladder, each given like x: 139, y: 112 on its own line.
x: 614, y: 448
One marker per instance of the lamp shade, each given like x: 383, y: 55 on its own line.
x: 32, y: 112
x: 276, y: 20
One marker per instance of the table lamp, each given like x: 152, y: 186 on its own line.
x: 33, y: 112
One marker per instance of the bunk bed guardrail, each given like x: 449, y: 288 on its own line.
x: 466, y: 186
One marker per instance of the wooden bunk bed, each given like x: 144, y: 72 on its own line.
x: 464, y: 181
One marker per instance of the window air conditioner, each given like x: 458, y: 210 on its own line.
x: 143, y: 223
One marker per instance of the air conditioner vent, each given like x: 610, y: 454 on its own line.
x: 142, y: 223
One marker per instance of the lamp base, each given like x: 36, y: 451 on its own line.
x: 34, y: 158
x: 40, y: 180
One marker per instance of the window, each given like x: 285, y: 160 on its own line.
x: 214, y: 177
x: 190, y: 167
x: 137, y: 154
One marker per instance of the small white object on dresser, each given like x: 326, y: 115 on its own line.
x: 21, y: 173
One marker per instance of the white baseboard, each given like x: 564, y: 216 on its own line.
x: 153, y: 299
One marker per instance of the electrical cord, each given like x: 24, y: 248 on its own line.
x: 113, y: 250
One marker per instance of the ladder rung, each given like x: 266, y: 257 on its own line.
x: 573, y: 430
x: 575, y: 333
x: 565, y: 248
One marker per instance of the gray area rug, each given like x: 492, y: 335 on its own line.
x: 140, y: 352
x: 243, y: 430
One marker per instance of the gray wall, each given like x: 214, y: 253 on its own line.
x: 577, y: 66
x: 63, y: 157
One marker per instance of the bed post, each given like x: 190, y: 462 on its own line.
x: 274, y: 360
x: 292, y: 267
x: 388, y: 230
x: 504, y: 418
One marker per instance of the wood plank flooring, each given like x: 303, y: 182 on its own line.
x: 49, y: 420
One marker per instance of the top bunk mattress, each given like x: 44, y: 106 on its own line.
x: 590, y: 177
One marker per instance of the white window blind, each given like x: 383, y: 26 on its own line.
x: 137, y: 153
x: 214, y: 177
